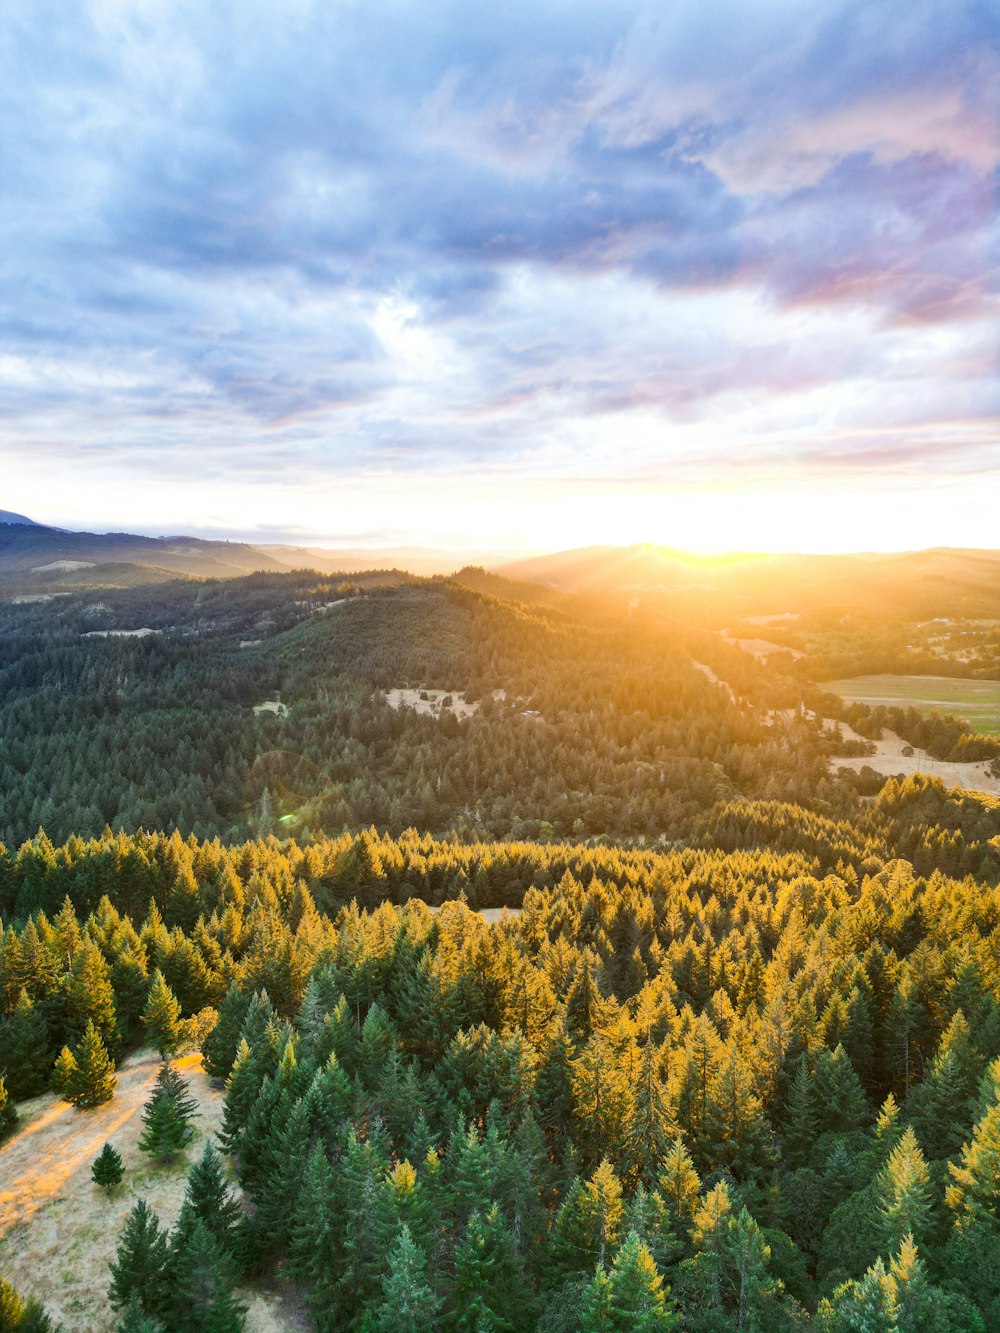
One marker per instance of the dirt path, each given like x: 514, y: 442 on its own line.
x: 58, y: 1231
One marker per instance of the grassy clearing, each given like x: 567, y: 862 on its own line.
x: 976, y: 700
x: 59, y: 1232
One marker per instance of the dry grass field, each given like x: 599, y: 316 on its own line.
x: 59, y: 1232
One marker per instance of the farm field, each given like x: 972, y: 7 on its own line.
x: 976, y: 700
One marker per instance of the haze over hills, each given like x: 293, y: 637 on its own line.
x: 39, y: 560
x: 938, y: 582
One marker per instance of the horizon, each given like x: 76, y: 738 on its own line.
x: 533, y: 280
x: 330, y: 543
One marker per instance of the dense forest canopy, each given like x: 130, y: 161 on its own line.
x: 731, y: 1062
x: 725, y: 1089
x: 580, y: 722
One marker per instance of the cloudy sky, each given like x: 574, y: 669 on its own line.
x: 509, y: 275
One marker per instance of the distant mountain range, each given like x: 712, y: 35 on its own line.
x: 39, y: 561
x: 941, y: 582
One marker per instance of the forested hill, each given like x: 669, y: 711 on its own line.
x: 138, y: 710
x: 722, y: 1091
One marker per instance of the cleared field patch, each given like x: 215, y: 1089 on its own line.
x: 58, y: 1231
x: 976, y: 700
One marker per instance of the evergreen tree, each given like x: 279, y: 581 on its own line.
x: 209, y: 1198
x: 587, y: 1227
x: 408, y: 1302
x: 201, y: 1295
x: 629, y: 1299
x: 24, y: 1042
x: 904, y: 1192
x: 801, y: 1119
x: 91, y: 1079
x: 8, y: 1112
x: 135, y: 1320
x: 108, y: 1169
x: 166, y: 1117
x: 11, y: 1308
x: 63, y: 1072
x: 139, y: 1272
x: 161, y: 1016
x: 865, y: 1306
x: 220, y: 1045
x: 974, y: 1192
x: 680, y: 1184
x: 489, y: 1291
x: 652, y: 1126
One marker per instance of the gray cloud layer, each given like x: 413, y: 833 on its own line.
x: 408, y: 237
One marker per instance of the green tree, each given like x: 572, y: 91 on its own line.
x: 135, y: 1320
x: 629, y: 1299
x: 209, y: 1198
x: 201, y: 1297
x: 91, y: 1080
x: 139, y: 1271
x: 27, y: 1054
x: 108, y: 1169
x: 489, y: 1291
x: 8, y: 1112
x: 408, y: 1302
x: 166, y: 1117
x: 162, y: 1016
x: 904, y: 1192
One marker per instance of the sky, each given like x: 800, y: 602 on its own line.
x: 518, y: 276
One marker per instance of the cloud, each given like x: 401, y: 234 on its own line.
x: 398, y: 238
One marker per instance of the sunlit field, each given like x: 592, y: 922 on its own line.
x: 976, y: 700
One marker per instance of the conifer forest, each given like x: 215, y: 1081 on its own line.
x: 551, y: 969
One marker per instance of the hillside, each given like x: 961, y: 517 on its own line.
x: 42, y: 561
x: 929, y: 583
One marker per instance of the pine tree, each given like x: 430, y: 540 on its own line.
x: 839, y: 1096
x: 34, y: 1319
x: 8, y: 1112
x: 201, y: 1298
x: 63, y: 1073
x: 801, y: 1119
x: 629, y: 1299
x: 166, y: 1117
x: 161, y: 1016
x: 91, y: 1081
x: 108, y: 1169
x: 652, y: 1126
x: 314, y: 1250
x: 220, y: 1045
x: 11, y: 1307
x: 209, y: 1198
x: 587, y: 1227
x: 140, y: 1268
x: 135, y: 1320
x: 27, y: 1054
x: 408, y: 1301
x: 904, y: 1192
x: 490, y: 1289
x: 681, y: 1186
x: 974, y: 1192
x: 866, y: 1306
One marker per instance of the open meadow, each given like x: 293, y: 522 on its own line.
x: 976, y: 700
